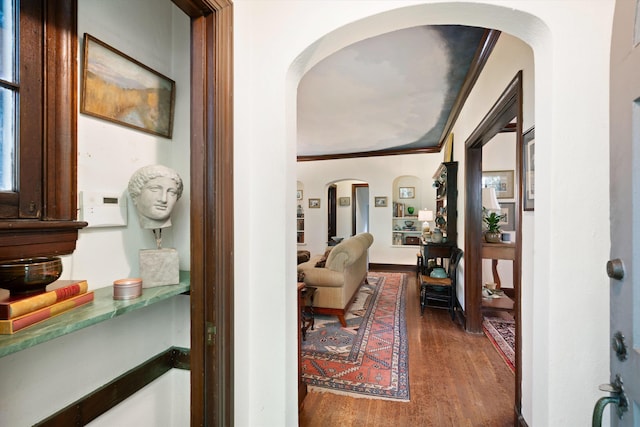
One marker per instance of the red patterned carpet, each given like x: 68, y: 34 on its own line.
x: 502, y: 334
x: 368, y: 358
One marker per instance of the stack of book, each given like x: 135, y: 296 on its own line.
x: 20, y: 311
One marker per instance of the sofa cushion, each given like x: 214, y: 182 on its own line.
x: 344, y: 253
x: 323, y: 277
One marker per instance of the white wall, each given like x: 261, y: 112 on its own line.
x: 108, y: 154
x: 59, y: 372
x: 556, y: 389
x: 380, y: 173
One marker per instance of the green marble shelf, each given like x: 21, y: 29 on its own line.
x: 102, y: 308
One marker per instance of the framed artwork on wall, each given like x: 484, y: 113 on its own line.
x: 299, y: 195
x: 344, y: 201
x: 119, y: 89
x: 407, y: 192
x: 502, y: 181
x: 528, y: 170
x: 380, y: 201
x: 509, y: 211
x: 314, y: 203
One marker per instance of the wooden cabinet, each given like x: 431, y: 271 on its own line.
x: 435, y: 253
x: 446, y: 217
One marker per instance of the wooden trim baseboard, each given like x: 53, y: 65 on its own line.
x: 96, y: 403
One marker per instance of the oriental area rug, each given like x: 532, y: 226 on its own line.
x: 502, y: 334
x: 369, y: 357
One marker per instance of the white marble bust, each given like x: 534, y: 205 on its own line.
x: 154, y: 190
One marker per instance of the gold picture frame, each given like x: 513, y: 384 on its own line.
x: 119, y: 89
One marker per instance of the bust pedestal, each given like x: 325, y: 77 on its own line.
x: 159, y: 267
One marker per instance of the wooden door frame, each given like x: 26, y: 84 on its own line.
x: 211, y: 211
x: 332, y: 212
x: 498, y: 119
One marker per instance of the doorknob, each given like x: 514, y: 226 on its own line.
x: 617, y: 397
x: 615, y: 269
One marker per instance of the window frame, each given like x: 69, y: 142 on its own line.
x: 44, y: 215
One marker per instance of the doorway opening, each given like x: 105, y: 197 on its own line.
x: 505, y: 116
x: 347, y: 209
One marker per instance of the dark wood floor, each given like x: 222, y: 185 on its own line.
x: 455, y: 379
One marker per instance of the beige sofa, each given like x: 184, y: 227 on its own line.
x: 345, y: 269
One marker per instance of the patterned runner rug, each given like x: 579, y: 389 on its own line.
x: 368, y: 358
x: 502, y: 334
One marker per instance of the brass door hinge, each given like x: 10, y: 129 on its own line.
x: 211, y: 333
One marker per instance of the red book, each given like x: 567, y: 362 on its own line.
x: 12, y: 326
x: 60, y: 290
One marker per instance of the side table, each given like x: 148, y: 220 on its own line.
x: 307, y: 319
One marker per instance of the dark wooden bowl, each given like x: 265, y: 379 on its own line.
x: 22, y: 276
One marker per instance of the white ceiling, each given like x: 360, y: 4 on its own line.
x: 388, y: 92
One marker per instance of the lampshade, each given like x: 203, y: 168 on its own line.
x: 425, y: 215
x: 489, y: 199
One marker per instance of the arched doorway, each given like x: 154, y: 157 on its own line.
x: 264, y: 180
x: 517, y: 403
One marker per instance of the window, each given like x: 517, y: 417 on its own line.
x: 38, y: 77
x: 8, y: 94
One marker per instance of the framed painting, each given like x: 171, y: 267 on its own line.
x: 407, y: 192
x: 314, y: 203
x: 502, y: 181
x: 528, y: 170
x: 299, y: 195
x: 119, y: 89
x: 344, y: 201
x: 380, y: 201
x: 509, y: 212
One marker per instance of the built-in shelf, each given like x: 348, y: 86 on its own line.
x: 102, y: 308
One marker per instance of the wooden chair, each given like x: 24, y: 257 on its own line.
x: 442, y: 290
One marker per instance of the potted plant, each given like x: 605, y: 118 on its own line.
x: 492, y: 219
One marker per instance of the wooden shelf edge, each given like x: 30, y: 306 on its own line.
x: 104, y: 307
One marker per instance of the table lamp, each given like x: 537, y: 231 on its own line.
x: 425, y: 216
x: 490, y: 200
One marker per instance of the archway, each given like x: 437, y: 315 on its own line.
x: 392, y: 16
